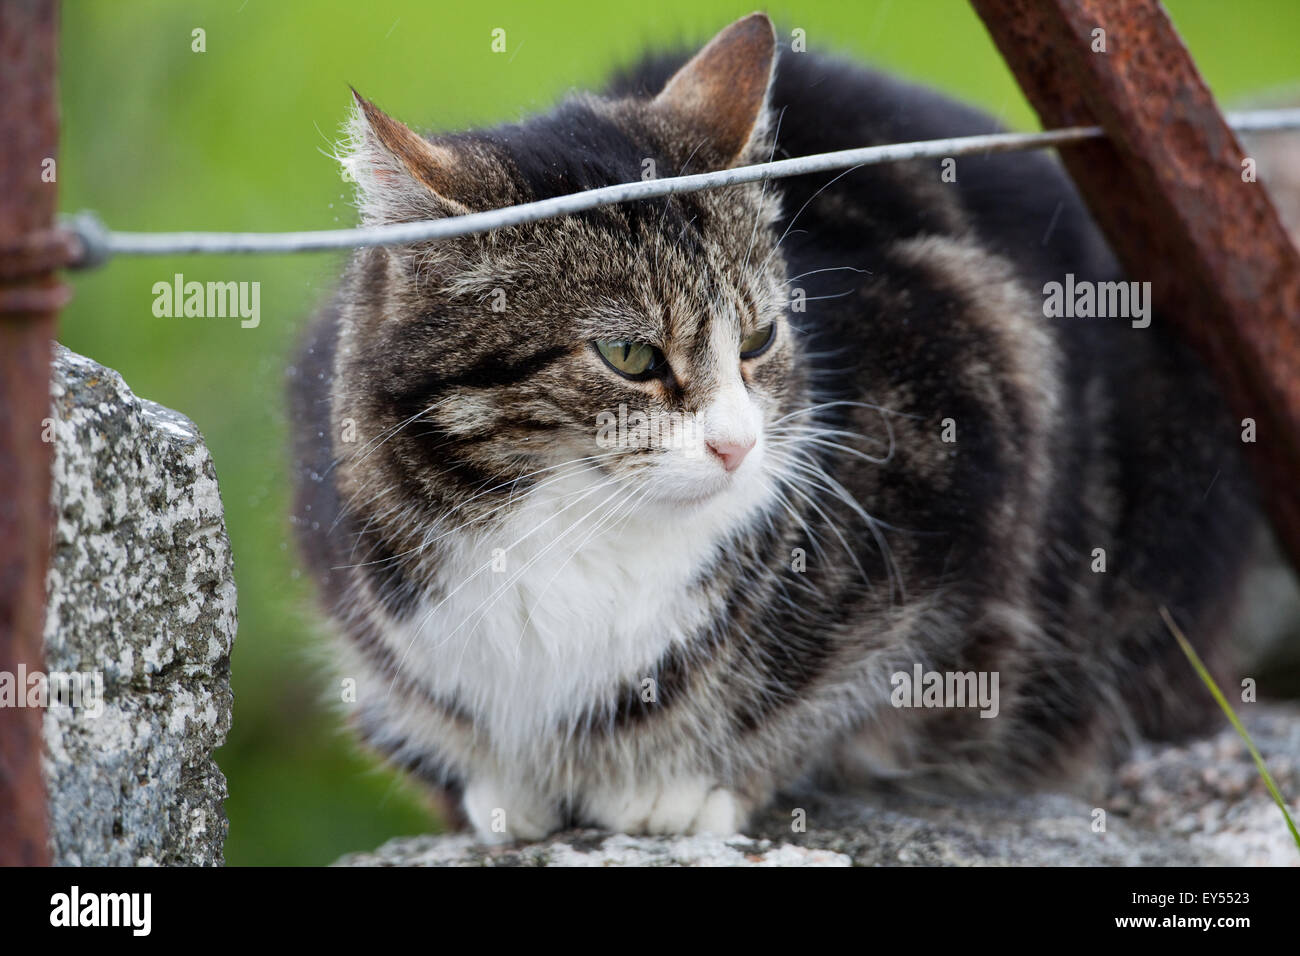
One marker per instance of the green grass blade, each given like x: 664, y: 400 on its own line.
x: 1204, y: 673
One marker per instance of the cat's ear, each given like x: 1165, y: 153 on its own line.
x: 721, y: 93
x: 400, y: 176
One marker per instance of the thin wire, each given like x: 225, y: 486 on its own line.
x: 101, y: 243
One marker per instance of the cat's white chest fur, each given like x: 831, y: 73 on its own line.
x: 554, y: 612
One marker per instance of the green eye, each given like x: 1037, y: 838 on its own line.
x: 755, y: 342
x: 633, y: 359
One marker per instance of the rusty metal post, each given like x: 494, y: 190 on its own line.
x: 29, y: 301
x: 1167, y: 188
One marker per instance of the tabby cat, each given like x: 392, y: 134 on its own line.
x: 634, y: 517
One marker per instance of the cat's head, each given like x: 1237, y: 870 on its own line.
x: 641, y: 347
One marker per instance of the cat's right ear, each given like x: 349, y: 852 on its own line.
x: 400, y: 176
x: 721, y: 94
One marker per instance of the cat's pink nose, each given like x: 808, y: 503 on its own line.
x: 731, y: 453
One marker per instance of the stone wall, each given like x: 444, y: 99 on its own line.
x: 1197, y: 805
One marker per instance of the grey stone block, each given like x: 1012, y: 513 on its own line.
x: 141, y: 597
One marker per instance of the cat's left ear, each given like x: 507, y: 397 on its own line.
x: 400, y: 175
x: 720, y: 95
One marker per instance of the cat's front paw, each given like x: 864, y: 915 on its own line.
x: 676, y: 806
x: 502, y: 814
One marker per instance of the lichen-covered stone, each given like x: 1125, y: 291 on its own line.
x: 591, y: 848
x: 1200, y: 804
x: 140, y: 592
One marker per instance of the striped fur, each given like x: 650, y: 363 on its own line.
x: 635, y: 638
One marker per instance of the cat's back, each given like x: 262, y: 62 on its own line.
x: 1022, y: 205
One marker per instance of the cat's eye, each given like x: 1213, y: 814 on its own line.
x: 633, y: 359
x: 756, y: 342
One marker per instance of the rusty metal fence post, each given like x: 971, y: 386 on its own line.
x: 1167, y: 186
x: 30, y: 297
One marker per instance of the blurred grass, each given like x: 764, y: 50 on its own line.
x: 156, y: 137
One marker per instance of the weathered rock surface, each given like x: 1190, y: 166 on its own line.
x: 1202, y: 804
x: 141, y: 593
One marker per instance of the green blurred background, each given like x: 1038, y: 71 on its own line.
x: 157, y: 137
